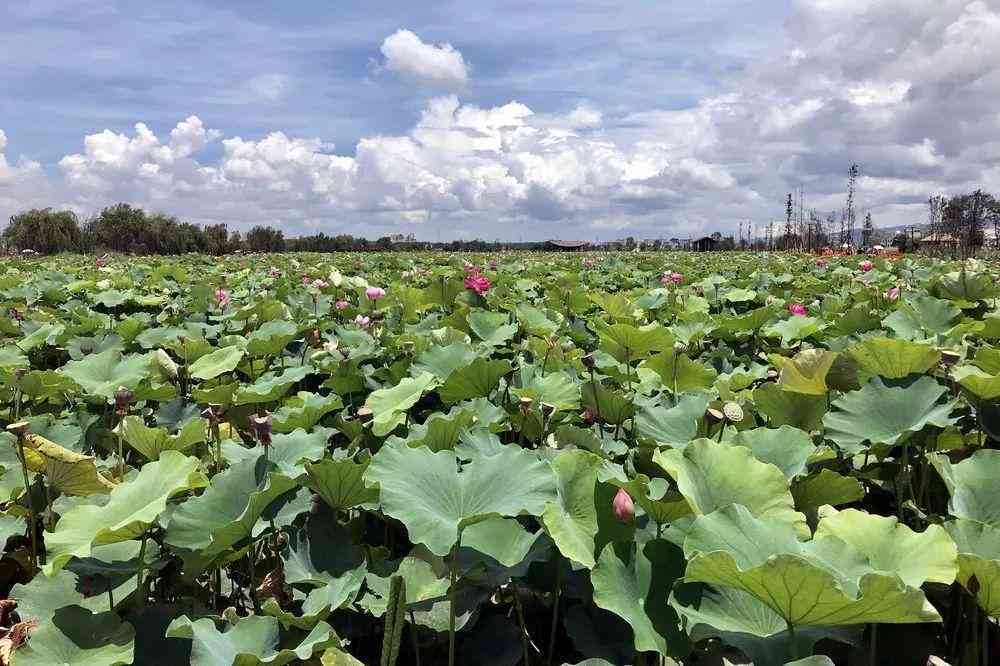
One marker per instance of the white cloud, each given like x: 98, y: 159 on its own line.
x: 268, y: 87
x: 435, y: 64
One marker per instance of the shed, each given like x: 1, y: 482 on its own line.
x: 704, y: 244
x: 566, y: 245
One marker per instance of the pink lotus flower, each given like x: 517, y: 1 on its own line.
x: 821, y: 263
x: 892, y: 294
x: 797, y: 309
x: 672, y: 278
x: 101, y: 262
x: 374, y: 293
x: 306, y: 279
x: 273, y: 272
x: 493, y: 265
x: 320, y: 284
x: 362, y: 321
x: 866, y: 266
x: 222, y: 297
x: 341, y: 305
x: 623, y: 507
x: 587, y: 263
x: 478, y: 283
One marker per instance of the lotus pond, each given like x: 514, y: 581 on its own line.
x: 659, y: 458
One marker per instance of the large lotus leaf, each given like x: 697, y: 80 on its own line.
x: 102, y: 374
x: 225, y: 514
x: 931, y: 315
x: 493, y: 328
x: 680, y: 373
x: 786, y: 448
x: 340, y: 483
x: 806, y: 372
x: 131, y: 508
x: 428, y: 494
x: 474, y: 380
x: 288, y: 451
x: 423, y: 584
x: 741, y: 620
x: 536, y: 321
x: 893, y: 358
x: 793, y: 328
x: 77, y: 637
x: 13, y: 357
x: 64, y: 432
x: 217, y: 363
x: 675, y: 425
x: 442, y: 361
x: 787, y: 408
x: 820, y: 582
x: 712, y: 475
x: 271, y: 338
x: 614, y: 406
x: 68, y: 472
x: 440, y: 431
x: 635, y: 585
x: 882, y: 414
x: 305, y: 410
x: 825, y: 487
x: 271, y: 386
x: 978, y: 558
x: 501, y: 539
x: 555, y: 388
x: 152, y: 442
x: 981, y: 384
x: 973, y: 485
x: 389, y: 404
x: 571, y: 520
x: 626, y: 342
x: 893, y: 548
x: 248, y: 641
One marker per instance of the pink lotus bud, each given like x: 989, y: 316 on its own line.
x: 222, y: 297
x: 892, y: 294
x: 362, y: 321
x: 623, y: 507
x: 341, y: 305
x: 306, y: 280
x: 866, y: 266
x: 798, y: 309
x: 374, y: 293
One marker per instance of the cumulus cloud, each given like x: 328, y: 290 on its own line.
x: 907, y: 88
x: 434, y: 64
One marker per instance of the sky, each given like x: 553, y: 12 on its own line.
x: 497, y: 120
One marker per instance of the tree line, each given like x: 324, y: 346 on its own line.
x: 128, y: 229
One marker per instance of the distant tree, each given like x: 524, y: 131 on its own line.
x: 45, y: 231
x: 119, y: 228
x: 867, y: 231
x: 216, y: 239
x: 265, y: 239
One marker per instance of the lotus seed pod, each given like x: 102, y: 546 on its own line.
x: 733, y: 411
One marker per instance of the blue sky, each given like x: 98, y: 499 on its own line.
x: 512, y: 119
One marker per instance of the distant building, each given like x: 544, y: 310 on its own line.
x: 566, y: 245
x: 937, y: 240
x: 705, y: 243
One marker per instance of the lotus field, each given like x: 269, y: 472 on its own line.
x: 666, y: 458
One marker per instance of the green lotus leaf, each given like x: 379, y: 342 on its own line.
x: 814, y: 660
x: 741, y: 620
x: 806, y: 372
x: 225, y: 514
x: 152, y: 442
x: 271, y: 386
x: 739, y: 295
x: 68, y: 472
x: 440, y: 431
x: 288, y: 451
x: 893, y: 548
x: 536, y: 321
x: 922, y: 315
x: 679, y: 373
x: 389, y: 404
x: 675, y: 426
x: 981, y: 384
x: 427, y: 493
x: 100, y: 375
x: 217, y: 362
x: 340, y: 483
x: 131, y: 508
x: 892, y: 358
x: 248, y: 641
x: 825, y: 487
x: 555, y: 388
x: 442, y: 361
x: 571, y: 520
x: 493, y: 328
x: 635, y: 585
x: 502, y: 539
x: 785, y: 447
x: 972, y: 485
x: 782, y: 407
x: 271, y: 338
x: 626, y: 342
x: 978, y: 559
x: 881, y: 414
x: 475, y: 380
x: 793, y: 328
x: 423, y: 584
x: 305, y: 410
x: 12, y: 357
x: 77, y: 637
x: 712, y: 475
x: 820, y: 582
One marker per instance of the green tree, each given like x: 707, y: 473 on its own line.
x: 44, y: 230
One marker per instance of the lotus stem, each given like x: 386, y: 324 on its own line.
x: 140, y: 584
x: 452, y: 577
x: 520, y: 619
x: 414, y: 638
x: 873, y: 644
x: 111, y: 598
x: 557, y: 595
x: 31, y: 505
x: 395, y: 618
